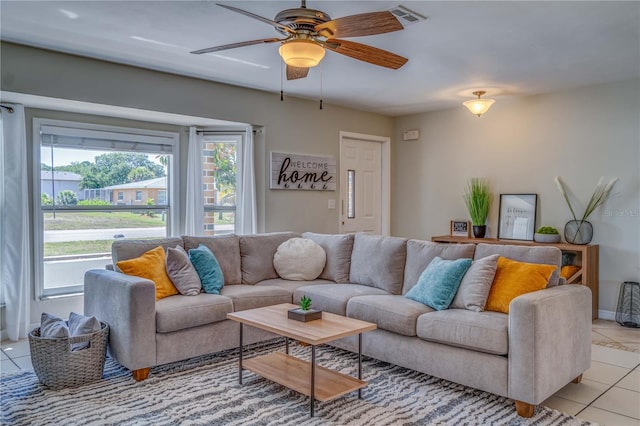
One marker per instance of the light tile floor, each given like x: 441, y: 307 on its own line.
x: 609, y: 393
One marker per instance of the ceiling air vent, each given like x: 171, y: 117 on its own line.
x: 405, y: 15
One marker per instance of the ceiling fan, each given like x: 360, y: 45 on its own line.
x: 309, y: 32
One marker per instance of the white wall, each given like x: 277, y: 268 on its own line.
x: 520, y: 146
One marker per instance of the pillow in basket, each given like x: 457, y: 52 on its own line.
x: 52, y: 327
x: 80, y: 325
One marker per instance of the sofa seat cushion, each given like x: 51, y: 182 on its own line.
x: 246, y: 296
x: 180, y: 312
x: 390, y: 312
x: 334, y: 297
x: 291, y: 286
x: 480, y: 331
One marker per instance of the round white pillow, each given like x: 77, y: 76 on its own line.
x: 299, y: 259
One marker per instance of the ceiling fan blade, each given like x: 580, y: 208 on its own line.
x: 360, y: 25
x: 365, y: 53
x: 259, y: 18
x: 234, y: 45
x: 294, y: 73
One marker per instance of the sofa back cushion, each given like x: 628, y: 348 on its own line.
x: 338, y: 248
x: 421, y: 253
x: 539, y: 254
x: 226, y: 249
x: 130, y: 249
x: 378, y: 261
x: 256, y: 255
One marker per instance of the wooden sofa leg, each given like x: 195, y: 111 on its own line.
x: 140, y: 374
x: 577, y: 379
x: 524, y: 409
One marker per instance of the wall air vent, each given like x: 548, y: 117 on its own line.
x: 405, y: 15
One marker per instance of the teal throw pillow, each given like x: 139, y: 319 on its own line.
x: 439, y: 282
x: 208, y: 269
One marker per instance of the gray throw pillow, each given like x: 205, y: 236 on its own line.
x: 79, y: 325
x: 476, y: 284
x: 182, y: 273
x: 52, y: 327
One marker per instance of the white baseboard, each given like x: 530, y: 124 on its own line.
x: 607, y: 315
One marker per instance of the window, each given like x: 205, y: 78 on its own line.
x: 219, y: 169
x: 162, y: 197
x: 80, y: 170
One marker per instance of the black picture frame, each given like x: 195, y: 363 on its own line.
x: 517, y: 217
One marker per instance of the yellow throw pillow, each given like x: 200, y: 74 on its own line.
x: 568, y: 271
x: 514, y: 279
x: 151, y: 265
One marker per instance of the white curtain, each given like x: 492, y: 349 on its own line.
x: 15, y: 258
x: 246, y: 222
x: 194, y: 223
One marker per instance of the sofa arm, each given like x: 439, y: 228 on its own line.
x: 549, y: 341
x: 128, y: 305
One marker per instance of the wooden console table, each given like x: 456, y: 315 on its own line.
x: 587, y: 257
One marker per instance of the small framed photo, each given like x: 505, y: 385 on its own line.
x: 517, y: 220
x: 460, y: 228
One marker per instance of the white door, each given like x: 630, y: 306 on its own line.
x: 361, y: 185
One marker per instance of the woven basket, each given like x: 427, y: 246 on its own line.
x: 57, y: 366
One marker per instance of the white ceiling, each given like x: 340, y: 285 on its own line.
x: 508, y: 48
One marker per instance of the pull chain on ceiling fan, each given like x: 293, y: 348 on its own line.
x: 309, y: 33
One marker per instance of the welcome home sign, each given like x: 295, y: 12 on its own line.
x: 307, y: 172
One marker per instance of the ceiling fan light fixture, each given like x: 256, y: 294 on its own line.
x: 479, y: 106
x: 301, y: 53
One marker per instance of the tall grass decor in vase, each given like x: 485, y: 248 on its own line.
x: 580, y: 231
x: 478, y: 198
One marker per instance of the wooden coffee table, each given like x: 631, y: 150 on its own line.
x: 316, y: 382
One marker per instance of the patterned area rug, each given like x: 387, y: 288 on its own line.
x: 205, y: 391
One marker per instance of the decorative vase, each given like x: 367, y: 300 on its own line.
x: 578, y: 232
x: 479, y: 231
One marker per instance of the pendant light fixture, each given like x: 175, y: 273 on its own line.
x: 479, y: 106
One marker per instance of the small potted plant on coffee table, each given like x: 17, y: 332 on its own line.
x: 304, y: 313
x: 547, y: 234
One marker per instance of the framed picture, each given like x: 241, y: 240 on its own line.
x: 460, y: 228
x: 517, y: 220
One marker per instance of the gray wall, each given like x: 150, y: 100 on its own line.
x: 520, y: 145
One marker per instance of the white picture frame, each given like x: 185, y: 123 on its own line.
x: 517, y: 219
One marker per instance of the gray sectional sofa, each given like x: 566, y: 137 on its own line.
x: 527, y: 355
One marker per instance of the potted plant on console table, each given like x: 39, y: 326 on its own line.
x: 547, y: 234
x: 478, y: 200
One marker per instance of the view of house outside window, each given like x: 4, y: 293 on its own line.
x: 219, y: 184
x: 90, y: 196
